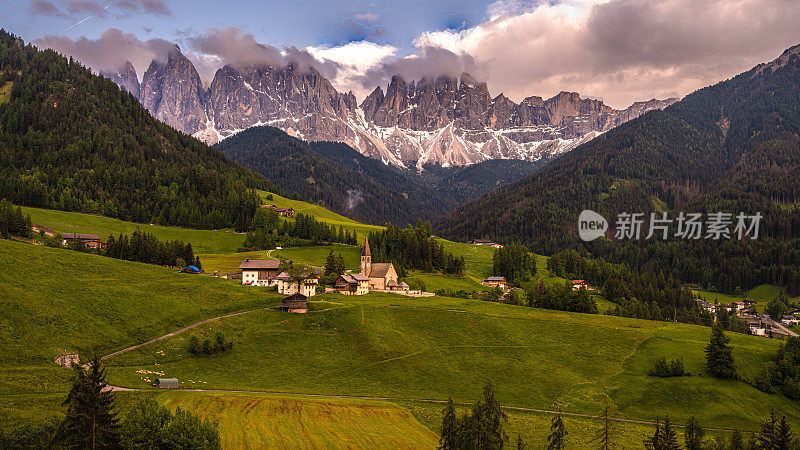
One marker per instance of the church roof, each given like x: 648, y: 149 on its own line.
x: 379, y: 270
x: 365, y: 251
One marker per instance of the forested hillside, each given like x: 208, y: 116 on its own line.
x: 74, y: 141
x: 732, y: 147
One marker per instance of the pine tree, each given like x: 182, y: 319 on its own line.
x: 719, y: 354
x: 449, y: 432
x: 91, y: 421
x: 693, y: 434
x: 558, y: 433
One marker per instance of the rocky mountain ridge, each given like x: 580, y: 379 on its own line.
x: 442, y: 120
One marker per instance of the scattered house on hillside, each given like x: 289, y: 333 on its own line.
x: 705, y: 305
x: 380, y: 274
x: 486, y: 242
x: 167, y: 383
x: 89, y: 240
x: 749, y: 303
x: 352, y: 284
x: 499, y: 282
x: 305, y: 284
x: 790, y: 320
x: 581, y: 284
x: 260, y: 272
x: 737, y: 307
x: 295, y: 303
x: 47, y: 231
x: 67, y: 359
x: 283, y: 212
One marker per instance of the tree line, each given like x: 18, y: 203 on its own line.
x: 269, y: 230
x: 13, y: 222
x: 414, y: 248
x: 147, y: 248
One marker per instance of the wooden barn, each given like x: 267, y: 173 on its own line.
x: 295, y: 303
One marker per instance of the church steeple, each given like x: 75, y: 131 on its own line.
x: 366, y: 258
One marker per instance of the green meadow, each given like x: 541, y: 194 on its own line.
x: 316, y: 256
x: 203, y: 241
x: 435, y: 348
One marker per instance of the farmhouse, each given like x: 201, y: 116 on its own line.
x: 486, y: 242
x: 581, y: 284
x: 67, y: 359
x: 295, y: 303
x: 355, y: 284
x: 380, y: 274
x: 285, y: 212
x: 495, y: 282
x: 47, y: 231
x: 305, y: 284
x: 89, y: 240
x: 260, y: 272
x: 167, y: 383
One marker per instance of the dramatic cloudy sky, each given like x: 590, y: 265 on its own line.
x: 616, y: 50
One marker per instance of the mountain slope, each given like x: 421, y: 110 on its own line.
x: 73, y: 141
x: 293, y: 166
x: 730, y: 147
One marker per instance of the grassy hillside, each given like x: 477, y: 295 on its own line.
x: 438, y: 347
x: 321, y: 213
x: 280, y: 421
x: 203, y: 241
x: 56, y: 300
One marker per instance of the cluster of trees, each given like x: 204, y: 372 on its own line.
x: 782, y: 373
x: 483, y: 428
x: 269, y: 230
x: 778, y: 306
x: 220, y: 344
x: 93, y: 421
x: 560, y: 297
x: 145, y: 247
x: 74, y: 141
x: 414, y: 248
x: 681, y: 159
x: 666, y: 369
x: 13, y: 222
x: 514, y: 262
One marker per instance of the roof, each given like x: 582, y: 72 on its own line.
x: 283, y: 276
x: 348, y: 279
x: 403, y: 284
x: 193, y: 268
x: 365, y: 251
x: 83, y: 237
x: 482, y: 241
x: 578, y: 281
x: 41, y: 227
x: 495, y: 279
x: 391, y: 283
x: 260, y: 264
x: 360, y: 277
x: 167, y: 382
x: 295, y: 301
x: 284, y: 209
x: 379, y: 270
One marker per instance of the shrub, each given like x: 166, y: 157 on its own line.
x: 666, y: 369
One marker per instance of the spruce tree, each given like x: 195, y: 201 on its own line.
x: 719, y: 354
x: 775, y: 434
x: 558, y: 433
x: 91, y: 421
x: 664, y: 437
x: 449, y: 431
x: 693, y: 434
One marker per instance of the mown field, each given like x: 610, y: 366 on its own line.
x: 761, y: 294
x: 285, y: 421
x: 203, y: 241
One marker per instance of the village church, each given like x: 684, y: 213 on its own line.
x: 382, y: 276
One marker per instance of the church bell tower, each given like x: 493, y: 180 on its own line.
x: 366, y: 258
